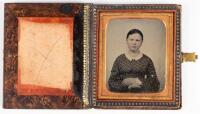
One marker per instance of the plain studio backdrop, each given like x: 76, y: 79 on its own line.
x: 190, y: 71
x: 153, y: 42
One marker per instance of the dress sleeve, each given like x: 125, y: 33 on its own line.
x: 115, y: 80
x: 151, y: 83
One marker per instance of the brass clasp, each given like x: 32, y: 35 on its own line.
x: 189, y: 57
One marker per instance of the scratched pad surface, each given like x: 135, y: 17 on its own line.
x: 45, y: 56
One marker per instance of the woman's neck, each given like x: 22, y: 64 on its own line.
x: 134, y: 53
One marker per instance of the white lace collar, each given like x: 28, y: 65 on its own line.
x: 127, y: 54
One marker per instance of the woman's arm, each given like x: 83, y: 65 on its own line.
x: 151, y: 83
x: 115, y: 80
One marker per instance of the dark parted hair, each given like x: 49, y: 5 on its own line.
x: 133, y: 31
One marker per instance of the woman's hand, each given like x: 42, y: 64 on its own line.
x: 132, y: 82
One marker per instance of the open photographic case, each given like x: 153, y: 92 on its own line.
x: 74, y: 56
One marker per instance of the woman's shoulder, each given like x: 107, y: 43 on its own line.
x: 147, y: 58
x: 120, y: 57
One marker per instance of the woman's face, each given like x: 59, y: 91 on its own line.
x: 134, y: 42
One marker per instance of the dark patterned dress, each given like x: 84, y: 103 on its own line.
x: 143, y: 69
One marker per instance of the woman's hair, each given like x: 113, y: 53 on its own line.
x: 133, y: 31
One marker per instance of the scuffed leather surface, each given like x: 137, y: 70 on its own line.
x: 12, y: 11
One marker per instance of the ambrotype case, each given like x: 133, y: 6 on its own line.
x: 72, y: 55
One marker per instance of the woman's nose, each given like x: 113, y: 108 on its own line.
x: 134, y: 42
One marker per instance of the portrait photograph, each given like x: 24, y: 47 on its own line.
x: 135, y: 54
